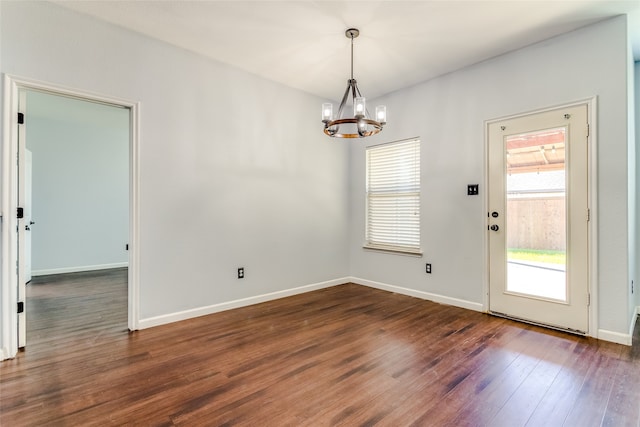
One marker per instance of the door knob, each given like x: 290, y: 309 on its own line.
x: 495, y: 227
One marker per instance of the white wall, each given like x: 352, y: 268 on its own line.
x: 448, y: 114
x: 234, y: 169
x: 80, y: 183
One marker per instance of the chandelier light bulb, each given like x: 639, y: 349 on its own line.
x: 362, y: 127
x: 381, y: 114
x: 359, y: 106
x: 327, y: 112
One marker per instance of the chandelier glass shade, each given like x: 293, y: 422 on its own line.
x: 360, y: 124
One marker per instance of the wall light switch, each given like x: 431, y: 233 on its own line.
x: 472, y: 189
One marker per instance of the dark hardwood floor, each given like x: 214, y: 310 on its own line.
x: 347, y: 355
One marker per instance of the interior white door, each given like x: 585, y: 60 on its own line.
x: 22, y: 300
x: 538, y: 218
x: 28, y: 216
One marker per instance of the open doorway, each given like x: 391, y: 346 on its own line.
x: 76, y: 213
x: 80, y: 184
x: 14, y: 227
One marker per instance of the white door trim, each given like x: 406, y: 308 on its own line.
x: 8, y: 285
x: 593, y: 205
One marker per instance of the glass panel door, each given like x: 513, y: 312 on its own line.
x: 537, y: 224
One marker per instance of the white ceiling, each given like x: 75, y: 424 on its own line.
x: 302, y: 43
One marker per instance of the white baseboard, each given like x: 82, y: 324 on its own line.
x: 216, y: 308
x: 616, y: 337
x: 632, y: 326
x: 78, y: 269
x: 626, y: 339
x: 441, y: 299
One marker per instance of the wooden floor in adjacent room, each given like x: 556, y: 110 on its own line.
x: 347, y: 355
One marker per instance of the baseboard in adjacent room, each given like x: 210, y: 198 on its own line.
x: 78, y: 269
x: 243, y: 302
x: 441, y: 299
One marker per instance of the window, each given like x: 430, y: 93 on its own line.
x: 393, y: 197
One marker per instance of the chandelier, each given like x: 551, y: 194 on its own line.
x: 360, y: 125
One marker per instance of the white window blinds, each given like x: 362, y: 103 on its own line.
x: 393, y: 197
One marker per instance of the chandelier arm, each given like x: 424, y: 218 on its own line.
x: 330, y: 123
x: 354, y: 87
x: 344, y: 101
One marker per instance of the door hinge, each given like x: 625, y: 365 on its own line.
x: 20, y: 307
x: 20, y: 118
x: 588, y: 215
x: 588, y: 300
x: 588, y: 129
x: 20, y: 213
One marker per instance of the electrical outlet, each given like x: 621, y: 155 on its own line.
x: 241, y: 273
x: 472, y: 189
x: 428, y: 268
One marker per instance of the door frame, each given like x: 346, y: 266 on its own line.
x: 592, y: 226
x: 28, y: 196
x: 9, y: 280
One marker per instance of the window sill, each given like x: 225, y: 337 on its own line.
x: 394, y: 251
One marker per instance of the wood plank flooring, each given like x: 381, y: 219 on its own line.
x: 347, y: 355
